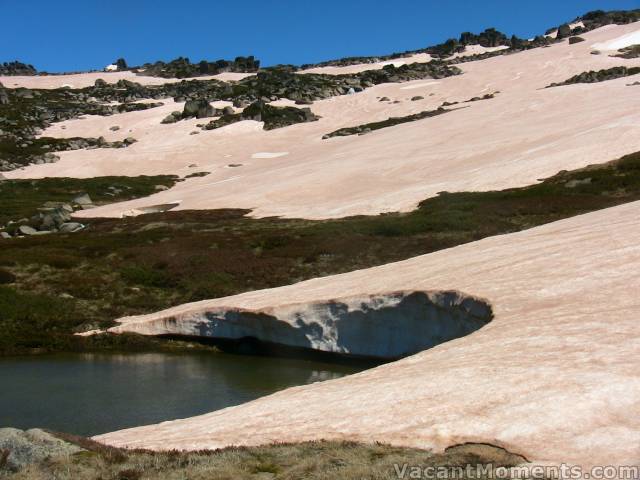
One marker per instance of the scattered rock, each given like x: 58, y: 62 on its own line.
x: 27, y: 230
x: 71, y: 227
x: 161, y: 188
x: 4, y: 96
x: 416, y: 98
x: 50, y: 217
x: 5, y: 235
x: 83, y: 200
x: 574, y: 40
x: 115, y: 128
x: 577, y: 183
x: 240, y: 102
x: 630, y: 52
x: 173, y: 117
x: 50, y: 158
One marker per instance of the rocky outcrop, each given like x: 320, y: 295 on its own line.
x: 183, y: 68
x: 564, y: 31
x: 628, y: 53
x: 50, y: 217
x: 38, y: 151
x: 600, y: 18
x: 390, y: 122
x: 283, y: 82
x: 25, y: 113
x: 385, y: 326
x: 17, y: 68
x: 20, y: 448
x: 490, y: 38
x: 121, y: 63
x: 273, y: 117
x: 599, y: 76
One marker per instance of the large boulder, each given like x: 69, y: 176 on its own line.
x: 121, y: 64
x: 23, y: 448
x: 27, y: 230
x: 199, y: 108
x: 4, y: 96
x: 564, y: 31
x: 83, y: 200
x: 52, y: 215
x: 173, y: 117
x: 71, y: 227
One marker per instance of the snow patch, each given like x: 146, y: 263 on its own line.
x: 385, y: 326
x: 419, y: 85
x: 269, y: 154
x: 623, y: 41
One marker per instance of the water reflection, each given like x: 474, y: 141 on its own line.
x: 87, y: 394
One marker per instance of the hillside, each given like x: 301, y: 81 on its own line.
x: 465, y: 215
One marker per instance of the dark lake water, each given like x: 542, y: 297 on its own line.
x: 88, y: 394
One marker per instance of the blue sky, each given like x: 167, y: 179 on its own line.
x: 71, y: 35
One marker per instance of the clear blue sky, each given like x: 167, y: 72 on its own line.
x: 87, y: 34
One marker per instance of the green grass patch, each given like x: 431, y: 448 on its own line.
x: 22, y: 198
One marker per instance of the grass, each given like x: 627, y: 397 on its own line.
x: 85, y: 280
x: 310, y: 460
x: 21, y: 198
